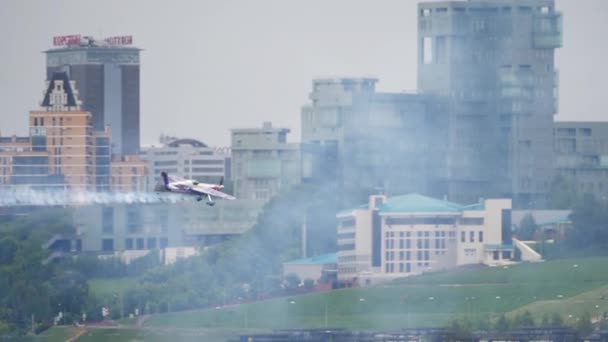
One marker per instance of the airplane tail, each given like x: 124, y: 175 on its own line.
x: 165, y: 179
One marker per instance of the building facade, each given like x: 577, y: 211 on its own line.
x: 581, y: 155
x: 494, y: 62
x: 405, y: 235
x: 116, y: 228
x: 363, y: 139
x: 63, y: 151
x: 128, y: 174
x: 263, y: 162
x: 59, y: 150
x: 187, y: 158
x: 107, y: 73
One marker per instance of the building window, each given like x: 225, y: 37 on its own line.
x: 107, y: 245
x: 164, y: 242
x: 151, y: 243
x: 129, y: 243
x: 427, y: 50
x: 463, y: 237
x: 480, y: 236
x: 107, y: 220
x: 471, y: 236
x: 408, y: 268
x: 140, y: 243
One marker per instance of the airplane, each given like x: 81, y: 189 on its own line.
x: 192, y: 187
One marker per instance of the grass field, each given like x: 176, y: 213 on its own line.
x: 110, y: 286
x: 428, y: 300
x: 161, y: 335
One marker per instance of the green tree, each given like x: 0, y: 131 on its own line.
x: 589, y: 225
x: 557, y: 320
x: 309, y: 284
x: 524, y: 319
x: 584, y: 325
x: 292, y: 281
x: 546, y: 321
x: 502, y: 324
x: 527, y: 228
x: 563, y: 193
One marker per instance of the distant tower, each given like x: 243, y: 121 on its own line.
x: 494, y: 61
x: 107, y: 75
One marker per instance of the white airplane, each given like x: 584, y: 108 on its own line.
x: 192, y: 187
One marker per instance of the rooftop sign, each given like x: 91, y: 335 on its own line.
x: 78, y: 40
x: 66, y: 40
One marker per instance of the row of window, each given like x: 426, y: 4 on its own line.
x: 463, y: 236
x: 425, y: 12
x: 471, y: 221
x: 421, y: 244
x: 403, y: 267
x: 107, y: 245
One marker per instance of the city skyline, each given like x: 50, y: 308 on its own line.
x: 230, y: 64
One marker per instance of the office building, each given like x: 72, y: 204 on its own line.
x: 63, y: 151
x: 187, y: 158
x: 263, y: 162
x: 494, y: 61
x: 59, y: 151
x: 363, y: 139
x: 581, y: 155
x: 391, y: 237
x: 107, y: 74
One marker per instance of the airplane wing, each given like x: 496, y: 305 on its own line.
x: 173, y: 179
x: 212, y: 192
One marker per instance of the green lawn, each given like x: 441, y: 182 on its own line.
x: 428, y: 300
x: 595, y: 302
x: 109, y: 286
x: 159, y: 335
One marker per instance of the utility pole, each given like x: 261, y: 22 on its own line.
x: 304, y: 236
x: 326, y: 314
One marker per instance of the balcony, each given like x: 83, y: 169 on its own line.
x: 547, y: 32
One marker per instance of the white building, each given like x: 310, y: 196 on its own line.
x: 263, y: 162
x: 187, y: 158
x: 411, y: 234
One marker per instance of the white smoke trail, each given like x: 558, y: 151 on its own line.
x: 30, y: 197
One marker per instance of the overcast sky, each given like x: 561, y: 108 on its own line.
x: 208, y: 66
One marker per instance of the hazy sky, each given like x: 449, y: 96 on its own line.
x: 208, y: 66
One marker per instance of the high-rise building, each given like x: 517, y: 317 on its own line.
x: 59, y: 151
x: 263, y: 163
x: 63, y: 151
x: 363, y: 139
x: 581, y: 155
x: 107, y: 74
x: 494, y: 62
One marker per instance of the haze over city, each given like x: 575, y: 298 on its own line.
x: 274, y: 170
x: 210, y: 66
